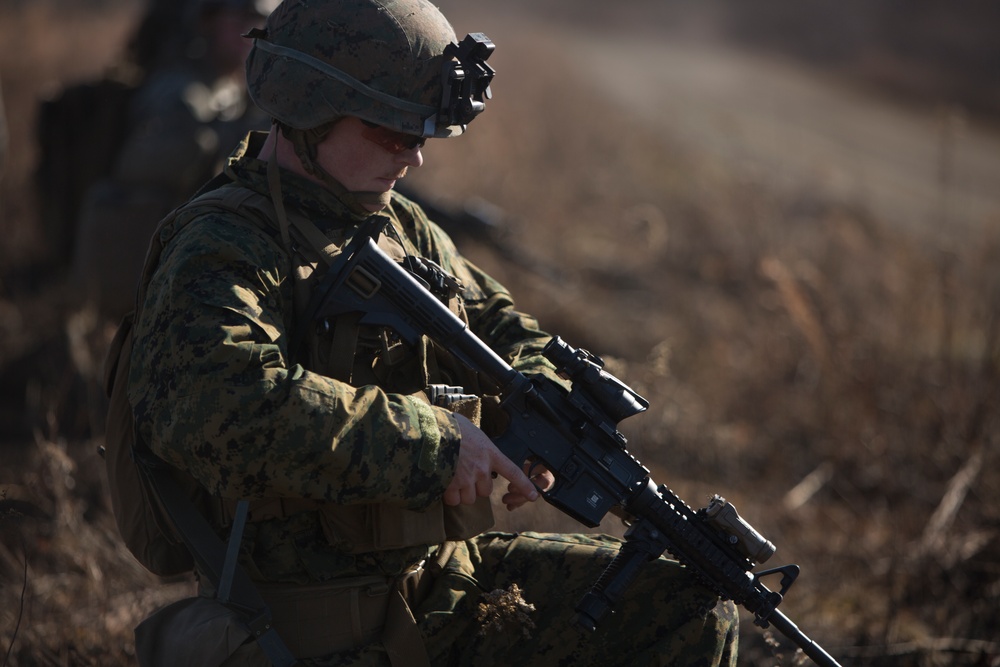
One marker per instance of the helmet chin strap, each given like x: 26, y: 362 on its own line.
x: 359, y: 202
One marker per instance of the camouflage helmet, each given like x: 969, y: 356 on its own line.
x: 395, y: 63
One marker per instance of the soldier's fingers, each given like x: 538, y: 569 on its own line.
x: 519, y: 482
x: 460, y: 494
x: 451, y: 496
x: 484, y: 486
x: 469, y: 494
x: 513, y: 500
x: 543, y: 479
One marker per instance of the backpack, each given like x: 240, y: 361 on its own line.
x: 79, y: 133
x: 141, y: 518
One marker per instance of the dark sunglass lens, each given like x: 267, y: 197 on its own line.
x: 391, y: 140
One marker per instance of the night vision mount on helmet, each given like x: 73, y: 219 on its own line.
x: 466, y: 79
x: 395, y: 63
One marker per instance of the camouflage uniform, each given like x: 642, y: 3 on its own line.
x: 666, y: 619
x: 217, y: 392
x: 214, y: 390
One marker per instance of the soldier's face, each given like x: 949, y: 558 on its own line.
x: 363, y: 159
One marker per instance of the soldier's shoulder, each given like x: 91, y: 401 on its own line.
x: 407, y: 210
x: 227, y: 218
x: 429, y: 236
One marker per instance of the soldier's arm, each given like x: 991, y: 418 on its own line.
x: 214, y: 391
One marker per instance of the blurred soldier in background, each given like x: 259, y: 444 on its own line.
x: 158, y: 129
x: 188, y: 115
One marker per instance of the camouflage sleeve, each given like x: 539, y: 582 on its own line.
x: 514, y: 335
x: 213, y: 391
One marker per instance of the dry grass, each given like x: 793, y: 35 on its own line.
x: 835, y: 379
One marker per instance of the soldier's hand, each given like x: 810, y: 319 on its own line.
x: 478, y: 459
x: 540, y: 477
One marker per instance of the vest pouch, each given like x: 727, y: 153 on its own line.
x: 463, y: 522
x: 145, y: 530
x: 194, y: 632
x: 379, y: 527
x: 320, y: 619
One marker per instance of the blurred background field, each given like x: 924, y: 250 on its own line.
x: 777, y: 221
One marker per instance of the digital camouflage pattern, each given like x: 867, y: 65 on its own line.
x: 380, y: 60
x: 666, y: 620
x: 214, y: 393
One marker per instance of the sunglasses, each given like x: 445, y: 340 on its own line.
x: 391, y: 140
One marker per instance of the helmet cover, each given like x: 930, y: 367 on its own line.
x: 395, y: 63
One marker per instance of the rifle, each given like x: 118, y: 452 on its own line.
x: 573, y: 433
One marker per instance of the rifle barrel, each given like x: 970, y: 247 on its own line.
x: 816, y: 652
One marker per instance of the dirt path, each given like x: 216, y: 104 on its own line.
x: 787, y: 126
x: 911, y: 168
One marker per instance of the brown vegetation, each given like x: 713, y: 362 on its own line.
x: 831, y: 375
